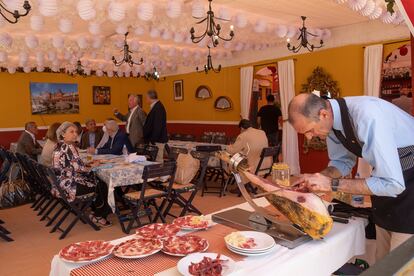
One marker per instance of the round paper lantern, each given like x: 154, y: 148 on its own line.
x: 292, y: 30
x: 376, y: 13
x: 398, y: 18
x: 86, y: 10
x: 260, y: 26
x: 58, y: 42
x: 387, y: 17
x: 121, y: 29
x: 166, y: 35
x: 94, y: 28
x: 134, y: 45
x: 155, y: 32
x: 27, y: 69
x: 13, y: 5
x: 99, y: 73
x: 97, y: 42
x: 239, y: 46
x: 197, y: 9
x: 67, y: 55
x: 326, y: 34
x: 185, y: 53
x: 368, y: 9
x: 40, y: 57
x: 116, y: 11
x: 155, y: 49
x: 178, y: 37
x: 174, y: 8
x: 110, y: 73
x: 107, y: 55
x: 227, y: 44
x: 48, y: 7
x: 23, y: 58
x: 241, y: 20
x: 40, y: 68
x: 139, y: 30
x: 55, y: 68
x: 3, y: 56
x: 87, y: 71
x: 341, y: 1
x: 119, y: 42
x: 281, y: 31
x: 357, y: 5
x: 36, y: 22
x: 31, y: 41
x: 171, y: 52
x: 318, y: 33
x: 6, y: 40
x: 94, y: 55
x: 51, y: 55
x: 135, y: 73
x: 82, y: 42
x: 65, y: 25
x: 224, y: 13
x: 145, y: 11
x: 11, y: 69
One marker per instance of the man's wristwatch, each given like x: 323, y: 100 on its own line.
x: 334, y: 184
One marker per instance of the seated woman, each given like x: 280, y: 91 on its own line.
x: 50, y: 145
x: 74, y: 178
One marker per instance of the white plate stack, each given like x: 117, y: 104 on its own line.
x: 264, y: 244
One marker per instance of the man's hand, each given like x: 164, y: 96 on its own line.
x: 316, y: 183
x: 116, y: 110
x: 91, y: 150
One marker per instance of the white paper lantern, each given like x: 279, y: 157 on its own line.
x: 174, y: 8
x: 11, y: 69
x: 341, y: 1
x: 65, y: 25
x: 13, y: 5
x: 239, y: 46
x: 166, y: 35
x: 31, y: 41
x: 224, y: 13
x: 6, y: 40
x: 116, y: 11
x: 155, y: 32
x: 119, y: 42
x: 171, y: 52
x: 40, y: 68
x: 368, y: 9
x: 97, y: 42
x: 292, y: 30
x: 387, y: 17
x: 135, y: 73
x: 376, y: 13
x: 134, y: 45
x: 48, y: 8
x: 155, y: 49
x: 121, y: 29
x: 58, y: 41
x: 145, y: 11
x: 260, y: 26
x: 185, y: 53
x: 197, y: 9
x: 357, y: 5
x: 82, y: 42
x: 326, y: 34
x: 94, y: 55
x: 86, y: 10
x: 140, y: 30
x: 110, y: 73
x: 99, y: 73
x: 27, y: 69
x: 3, y: 56
x: 40, y: 57
x: 51, y: 55
x: 281, y: 31
x: 87, y: 71
x: 398, y: 18
x: 55, y: 68
x: 36, y: 22
x: 178, y: 37
x: 241, y: 20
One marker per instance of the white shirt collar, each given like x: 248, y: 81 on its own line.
x: 32, y: 135
x: 152, y: 105
x: 133, y: 109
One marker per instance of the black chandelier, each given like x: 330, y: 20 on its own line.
x: 13, y: 16
x: 303, y: 37
x: 209, y: 66
x: 127, y: 56
x: 154, y: 75
x: 212, y: 29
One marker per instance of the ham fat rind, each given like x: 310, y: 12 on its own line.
x: 304, y: 209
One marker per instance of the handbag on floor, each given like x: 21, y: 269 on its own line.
x: 14, y: 191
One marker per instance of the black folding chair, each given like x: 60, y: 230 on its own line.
x: 149, y: 151
x: 173, y: 152
x: 5, y: 166
x: 178, y: 190
x: 176, y: 136
x: 139, y: 201
x: 206, y: 138
x: 78, y: 207
x: 222, y: 140
x: 188, y: 137
x: 4, y: 233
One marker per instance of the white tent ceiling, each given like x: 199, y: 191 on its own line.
x: 57, y: 33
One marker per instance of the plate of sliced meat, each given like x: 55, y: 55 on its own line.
x: 193, y: 222
x: 249, y: 243
x: 157, y: 230
x: 84, y: 252
x: 211, y: 264
x: 137, y: 248
x: 184, y: 245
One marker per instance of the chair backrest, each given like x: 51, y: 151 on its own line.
x: 5, y: 166
x: 175, y: 151
x: 208, y: 148
x: 148, y: 150
x: 272, y: 152
x: 176, y: 136
x: 220, y: 140
x: 206, y: 138
x: 156, y: 171
x: 50, y: 174
x: 204, y: 157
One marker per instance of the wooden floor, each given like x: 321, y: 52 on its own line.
x: 32, y: 251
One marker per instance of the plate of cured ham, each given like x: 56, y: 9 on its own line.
x: 206, y: 264
x: 137, y: 248
x: 184, y: 245
x: 84, y: 252
x: 193, y: 222
x: 157, y: 230
x: 249, y: 242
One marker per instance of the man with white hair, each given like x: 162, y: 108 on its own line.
x: 116, y: 141
x: 27, y: 143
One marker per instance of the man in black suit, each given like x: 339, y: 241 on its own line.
x: 27, y: 143
x: 155, y: 127
x: 116, y: 141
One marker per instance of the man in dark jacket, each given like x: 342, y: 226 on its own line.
x: 155, y: 127
x: 116, y: 141
x: 92, y: 137
x: 27, y: 143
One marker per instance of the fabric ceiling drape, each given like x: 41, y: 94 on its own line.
x: 372, y: 84
x: 290, y: 148
x: 246, y: 82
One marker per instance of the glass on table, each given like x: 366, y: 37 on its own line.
x: 281, y: 174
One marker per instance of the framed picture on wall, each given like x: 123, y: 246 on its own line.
x: 101, y: 94
x: 54, y: 98
x: 178, y: 90
x: 139, y: 98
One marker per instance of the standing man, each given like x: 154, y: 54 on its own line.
x: 268, y: 120
x: 27, y: 143
x: 379, y: 132
x: 405, y: 101
x: 155, y: 128
x: 92, y: 136
x: 135, y: 119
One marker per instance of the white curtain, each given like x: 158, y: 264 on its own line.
x: 290, y: 148
x: 372, y: 85
x: 246, y: 82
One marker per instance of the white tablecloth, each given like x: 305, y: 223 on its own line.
x: 318, y: 257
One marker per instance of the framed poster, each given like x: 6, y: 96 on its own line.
x: 178, y: 90
x: 54, y: 98
x: 101, y: 94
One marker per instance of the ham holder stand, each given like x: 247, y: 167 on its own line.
x: 261, y: 219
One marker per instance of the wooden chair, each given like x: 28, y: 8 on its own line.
x: 175, y: 151
x: 149, y: 151
x: 178, y: 190
x: 149, y: 195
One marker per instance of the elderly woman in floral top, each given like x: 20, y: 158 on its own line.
x: 74, y: 177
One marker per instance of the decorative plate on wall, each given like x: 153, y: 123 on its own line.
x: 203, y: 92
x: 223, y: 103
